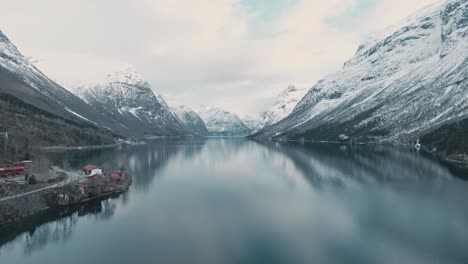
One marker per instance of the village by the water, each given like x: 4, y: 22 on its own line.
x: 25, y: 191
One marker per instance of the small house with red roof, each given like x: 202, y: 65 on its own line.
x: 88, y: 169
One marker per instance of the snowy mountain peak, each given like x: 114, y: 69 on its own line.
x: 283, y: 106
x: 191, y: 119
x: 11, y: 58
x: 408, y: 80
x: 120, y: 80
x: 129, y: 99
x: 291, y: 88
x: 128, y: 75
x: 118, y: 85
x: 222, y: 122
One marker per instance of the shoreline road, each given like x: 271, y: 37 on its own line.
x: 72, y: 177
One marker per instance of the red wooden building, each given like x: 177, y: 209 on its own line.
x: 6, y: 171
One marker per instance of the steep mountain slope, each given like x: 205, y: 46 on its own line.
x: 396, y: 88
x: 29, y: 126
x: 20, y: 78
x: 283, y: 106
x: 130, y: 105
x: 449, y: 140
x: 223, y: 123
x: 162, y: 101
x: 186, y: 116
x: 36, y: 111
x: 252, y: 122
x: 191, y: 119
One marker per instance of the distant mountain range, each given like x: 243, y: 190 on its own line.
x: 253, y: 122
x: 223, y: 123
x: 400, y: 85
x: 122, y: 104
x: 191, y: 119
x: 283, y: 106
x: 405, y: 83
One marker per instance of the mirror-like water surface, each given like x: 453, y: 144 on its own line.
x: 236, y: 201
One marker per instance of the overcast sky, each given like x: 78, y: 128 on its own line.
x: 235, y: 54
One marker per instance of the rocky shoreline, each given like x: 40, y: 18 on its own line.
x: 75, y: 193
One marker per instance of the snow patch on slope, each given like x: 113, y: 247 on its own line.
x: 80, y: 116
x: 283, y: 106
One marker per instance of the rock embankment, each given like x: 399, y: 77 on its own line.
x: 74, y: 193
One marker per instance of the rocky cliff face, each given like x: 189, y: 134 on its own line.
x: 130, y: 105
x: 223, y: 123
x: 398, y: 86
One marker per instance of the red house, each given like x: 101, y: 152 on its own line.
x: 116, y: 176
x: 11, y: 171
x: 89, y: 168
x: 24, y: 163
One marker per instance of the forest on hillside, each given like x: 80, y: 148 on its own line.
x: 28, y: 127
x: 450, y: 139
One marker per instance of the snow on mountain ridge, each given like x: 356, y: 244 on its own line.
x: 428, y: 10
x: 24, y: 80
x: 126, y: 97
x: 222, y: 122
x: 252, y: 122
x: 128, y: 75
x: 407, y: 82
x: 191, y: 119
x: 12, y: 59
x: 284, y: 105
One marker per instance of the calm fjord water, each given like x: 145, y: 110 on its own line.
x: 237, y: 201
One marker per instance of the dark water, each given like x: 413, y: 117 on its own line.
x: 236, y: 201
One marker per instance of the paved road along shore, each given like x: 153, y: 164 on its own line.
x: 71, y: 177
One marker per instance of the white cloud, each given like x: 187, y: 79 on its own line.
x: 199, y: 52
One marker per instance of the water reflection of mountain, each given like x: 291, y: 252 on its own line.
x: 191, y: 148
x: 216, y: 195
x: 224, y: 148
x: 342, y: 164
x: 54, y: 226
x: 142, y: 161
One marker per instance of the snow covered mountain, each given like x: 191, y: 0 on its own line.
x: 131, y: 106
x: 252, y: 122
x: 398, y: 86
x: 223, y: 123
x: 20, y: 78
x: 283, y: 106
x: 162, y: 101
x: 191, y: 119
